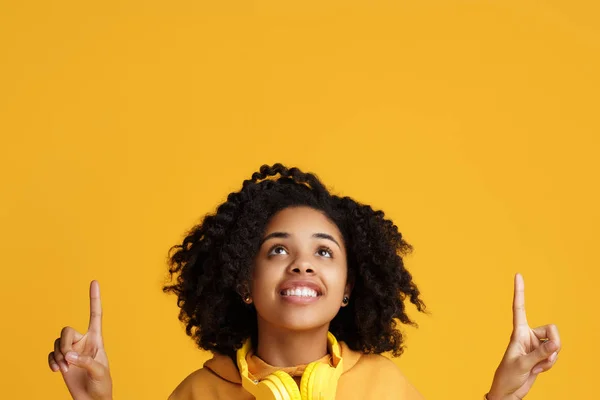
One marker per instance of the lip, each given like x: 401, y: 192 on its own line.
x: 293, y: 283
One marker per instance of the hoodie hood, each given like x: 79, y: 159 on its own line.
x: 224, y: 366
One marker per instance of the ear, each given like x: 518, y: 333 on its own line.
x: 349, y: 286
x: 347, y: 293
x: 348, y: 289
x: 243, y: 289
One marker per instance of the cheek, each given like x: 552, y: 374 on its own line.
x: 336, y: 281
x: 263, y: 279
x: 264, y: 282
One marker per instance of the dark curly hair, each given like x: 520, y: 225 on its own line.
x: 209, y: 269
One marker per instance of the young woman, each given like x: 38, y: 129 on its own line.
x: 297, y: 292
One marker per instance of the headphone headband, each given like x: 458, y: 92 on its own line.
x: 269, y: 389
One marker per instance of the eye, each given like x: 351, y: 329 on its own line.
x: 274, y: 249
x: 325, y: 252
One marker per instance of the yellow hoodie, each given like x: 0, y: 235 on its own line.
x: 365, y: 377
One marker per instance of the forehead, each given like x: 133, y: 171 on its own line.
x: 301, y: 219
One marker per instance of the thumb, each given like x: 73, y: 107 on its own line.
x: 541, y: 353
x: 95, y: 370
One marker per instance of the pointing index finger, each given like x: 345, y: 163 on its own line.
x: 95, y: 308
x: 519, y: 316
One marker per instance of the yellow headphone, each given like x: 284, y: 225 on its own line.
x: 319, y: 380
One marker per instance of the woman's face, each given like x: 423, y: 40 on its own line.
x: 300, y: 271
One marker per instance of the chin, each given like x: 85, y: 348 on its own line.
x: 296, y: 319
x: 301, y: 327
x: 302, y: 323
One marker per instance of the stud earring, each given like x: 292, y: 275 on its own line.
x: 346, y: 300
x: 247, y: 299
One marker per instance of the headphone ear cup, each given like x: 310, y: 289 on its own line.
x: 305, y: 382
x: 331, y: 381
x: 320, y: 382
x: 268, y: 389
x: 286, y: 385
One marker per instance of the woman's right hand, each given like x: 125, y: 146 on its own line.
x: 81, y: 359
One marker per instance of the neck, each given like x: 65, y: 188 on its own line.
x: 284, y: 348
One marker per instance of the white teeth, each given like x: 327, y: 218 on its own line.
x: 300, y: 292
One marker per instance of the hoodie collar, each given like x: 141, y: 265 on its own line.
x: 226, y: 368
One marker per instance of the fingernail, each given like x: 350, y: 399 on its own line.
x: 64, y: 367
x: 537, y: 370
x: 71, y: 356
x: 54, y: 367
x: 553, y: 357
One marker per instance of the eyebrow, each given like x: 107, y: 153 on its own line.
x: 285, y: 235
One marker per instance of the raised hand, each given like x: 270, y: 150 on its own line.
x: 530, y: 352
x: 81, y: 358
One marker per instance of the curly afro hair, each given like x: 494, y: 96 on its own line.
x: 211, y: 266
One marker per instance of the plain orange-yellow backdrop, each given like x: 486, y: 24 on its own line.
x: 473, y: 124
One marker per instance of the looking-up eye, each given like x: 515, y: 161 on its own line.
x: 277, y: 247
x: 325, y: 252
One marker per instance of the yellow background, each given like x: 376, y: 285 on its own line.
x: 473, y: 124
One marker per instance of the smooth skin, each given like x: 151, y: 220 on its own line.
x: 299, y: 244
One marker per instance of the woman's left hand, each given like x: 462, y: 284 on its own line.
x: 530, y: 352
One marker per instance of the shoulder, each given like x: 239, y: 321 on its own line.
x: 217, y: 379
x: 368, y: 363
x: 380, y: 365
x: 189, y: 388
x: 378, y: 371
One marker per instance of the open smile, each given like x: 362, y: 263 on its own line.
x: 299, y: 292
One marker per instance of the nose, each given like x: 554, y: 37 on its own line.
x: 301, y: 267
